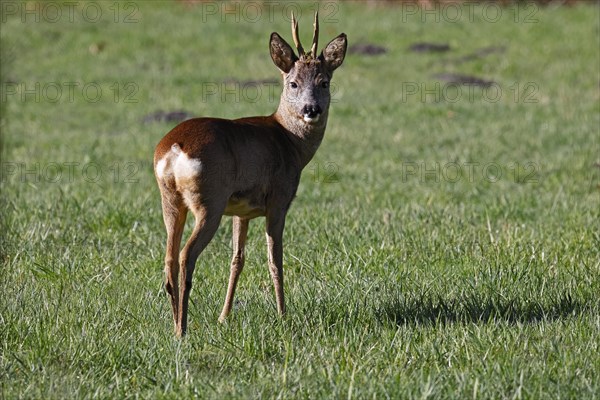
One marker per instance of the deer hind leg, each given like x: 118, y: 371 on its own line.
x: 174, y: 214
x: 207, y: 221
x: 240, y: 233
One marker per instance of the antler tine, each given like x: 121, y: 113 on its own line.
x: 295, y: 36
x: 315, y: 41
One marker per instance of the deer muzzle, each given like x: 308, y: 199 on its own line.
x: 311, y: 113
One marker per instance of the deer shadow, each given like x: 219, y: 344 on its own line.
x: 478, y: 308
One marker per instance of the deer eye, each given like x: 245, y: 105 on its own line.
x: 293, y: 85
x: 324, y: 84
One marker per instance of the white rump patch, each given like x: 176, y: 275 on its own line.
x: 185, y: 167
x: 176, y: 163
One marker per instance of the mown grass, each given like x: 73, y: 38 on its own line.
x: 437, y: 248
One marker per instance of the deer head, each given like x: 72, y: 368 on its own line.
x: 306, y: 77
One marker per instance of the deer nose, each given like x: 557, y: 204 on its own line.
x: 311, y: 111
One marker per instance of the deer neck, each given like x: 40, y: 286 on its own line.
x: 306, y: 137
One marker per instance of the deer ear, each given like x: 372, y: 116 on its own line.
x: 282, y: 54
x: 333, y: 54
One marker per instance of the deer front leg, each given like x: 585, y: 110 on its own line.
x: 275, y: 225
x: 240, y: 233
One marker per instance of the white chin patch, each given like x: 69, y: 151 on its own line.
x: 311, y: 120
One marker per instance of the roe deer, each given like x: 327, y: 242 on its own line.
x: 246, y: 168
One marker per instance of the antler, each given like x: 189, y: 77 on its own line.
x: 295, y: 36
x: 315, y: 41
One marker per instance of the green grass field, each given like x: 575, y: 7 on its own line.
x: 444, y: 242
